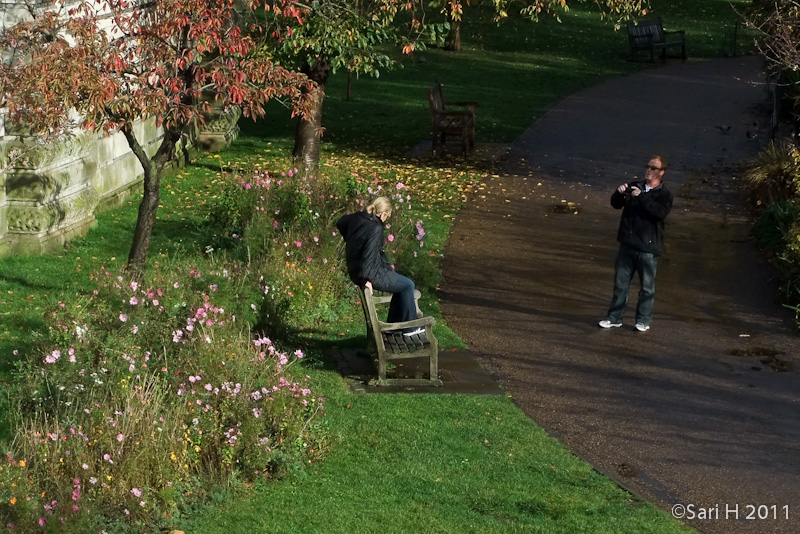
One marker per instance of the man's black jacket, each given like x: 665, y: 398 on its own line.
x: 642, y: 223
x: 366, y: 260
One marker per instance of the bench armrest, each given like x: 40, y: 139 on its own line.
x: 464, y: 104
x: 459, y: 113
x: 385, y: 299
x: 422, y: 321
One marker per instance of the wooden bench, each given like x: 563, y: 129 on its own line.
x: 649, y: 35
x: 386, y: 342
x: 460, y: 123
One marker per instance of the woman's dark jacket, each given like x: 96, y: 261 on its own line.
x: 642, y: 223
x: 366, y: 260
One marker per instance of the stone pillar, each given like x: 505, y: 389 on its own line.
x: 220, y: 129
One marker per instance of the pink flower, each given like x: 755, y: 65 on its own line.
x: 53, y: 356
x: 400, y: 186
x: 390, y: 237
x: 136, y: 492
x: 42, y: 521
x: 316, y: 239
x: 298, y: 243
x: 175, y: 285
x: 135, y: 329
x: 123, y: 317
x: 134, y: 301
x: 120, y: 437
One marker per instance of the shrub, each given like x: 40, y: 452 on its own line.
x: 141, y: 395
x: 774, y: 174
x: 773, y: 226
x: 284, y: 226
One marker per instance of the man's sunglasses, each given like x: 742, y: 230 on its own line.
x: 653, y: 168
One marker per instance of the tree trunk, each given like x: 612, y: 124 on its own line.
x: 309, y: 130
x: 137, y: 257
x: 453, y: 41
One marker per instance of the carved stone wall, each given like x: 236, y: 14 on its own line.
x: 52, y: 193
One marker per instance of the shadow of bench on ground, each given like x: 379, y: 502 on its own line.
x: 481, y: 152
x: 459, y: 371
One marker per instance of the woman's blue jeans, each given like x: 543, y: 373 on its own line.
x: 630, y: 261
x: 402, y: 307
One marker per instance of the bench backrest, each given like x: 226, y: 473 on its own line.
x: 435, y: 100
x: 645, y: 32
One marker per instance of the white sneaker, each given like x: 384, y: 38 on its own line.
x: 416, y: 332
x: 641, y: 327
x: 605, y: 323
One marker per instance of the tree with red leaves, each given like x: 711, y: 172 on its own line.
x: 101, y: 65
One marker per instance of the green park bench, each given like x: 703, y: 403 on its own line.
x: 386, y: 342
x: 459, y: 123
x: 650, y: 36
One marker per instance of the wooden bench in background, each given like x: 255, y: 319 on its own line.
x: 649, y: 36
x: 460, y: 123
x: 386, y: 342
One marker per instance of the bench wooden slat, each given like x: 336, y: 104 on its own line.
x: 388, y: 343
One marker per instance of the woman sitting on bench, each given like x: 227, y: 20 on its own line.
x: 367, y: 264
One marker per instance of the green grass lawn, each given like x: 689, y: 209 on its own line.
x: 431, y: 463
x: 398, y: 463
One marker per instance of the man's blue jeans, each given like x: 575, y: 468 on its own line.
x: 402, y: 307
x: 630, y: 261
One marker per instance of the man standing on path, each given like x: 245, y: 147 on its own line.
x: 645, y: 205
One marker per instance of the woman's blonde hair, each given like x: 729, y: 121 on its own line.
x: 380, y: 205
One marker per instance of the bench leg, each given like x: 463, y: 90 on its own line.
x: 381, y: 369
x: 434, y: 367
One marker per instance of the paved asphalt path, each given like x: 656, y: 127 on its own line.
x: 702, y: 410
